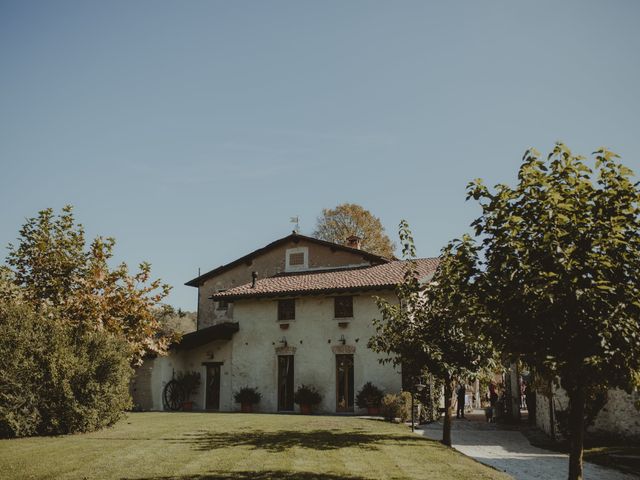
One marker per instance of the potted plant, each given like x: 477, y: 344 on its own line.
x: 190, y: 382
x: 307, y: 396
x: 247, y: 397
x: 369, y: 397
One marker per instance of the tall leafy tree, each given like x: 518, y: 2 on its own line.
x: 54, y: 267
x: 347, y: 219
x: 432, y: 325
x: 561, y: 260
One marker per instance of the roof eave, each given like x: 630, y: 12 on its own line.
x: 300, y: 293
x: 197, y: 338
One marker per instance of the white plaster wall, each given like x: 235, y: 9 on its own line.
x: 164, y: 369
x: 250, y: 358
x: 312, y: 333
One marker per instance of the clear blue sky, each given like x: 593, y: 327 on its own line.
x: 192, y: 131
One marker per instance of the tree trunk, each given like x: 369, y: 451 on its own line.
x: 448, y: 394
x: 577, y: 399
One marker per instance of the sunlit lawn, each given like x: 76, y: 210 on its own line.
x: 244, y: 446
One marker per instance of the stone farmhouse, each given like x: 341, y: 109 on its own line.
x: 297, y: 311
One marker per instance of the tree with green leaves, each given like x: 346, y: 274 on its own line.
x: 56, y: 377
x: 349, y: 219
x: 54, y: 268
x: 560, y: 277
x: 432, y: 325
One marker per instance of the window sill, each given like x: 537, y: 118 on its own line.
x: 343, y: 319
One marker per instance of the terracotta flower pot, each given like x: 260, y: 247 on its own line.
x: 246, y: 407
x: 187, y: 406
x: 373, y: 411
x: 305, y: 409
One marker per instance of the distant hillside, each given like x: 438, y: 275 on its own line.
x: 180, y: 321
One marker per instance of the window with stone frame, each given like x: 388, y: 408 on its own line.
x: 343, y: 307
x: 287, y: 309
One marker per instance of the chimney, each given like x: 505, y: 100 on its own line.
x: 354, y: 241
x: 254, y: 277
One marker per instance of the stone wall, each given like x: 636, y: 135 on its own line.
x: 543, y: 414
x: 619, y: 417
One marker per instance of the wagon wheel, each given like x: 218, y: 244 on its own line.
x: 173, y: 395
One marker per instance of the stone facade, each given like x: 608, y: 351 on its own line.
x: 620, y: 416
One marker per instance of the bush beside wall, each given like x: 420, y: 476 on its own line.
x: 396, y: 405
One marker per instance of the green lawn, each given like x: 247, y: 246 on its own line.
x: 242, y: 446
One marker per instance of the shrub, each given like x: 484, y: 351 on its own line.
x: 396, y: 405
x: 430, y: 400
x: 247, y: 395
x: 369, y: 396
x: 55, y: 378
x: 307, y: 395
x: 189, y: 381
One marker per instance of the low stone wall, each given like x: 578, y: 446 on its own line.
x: 620, y: 417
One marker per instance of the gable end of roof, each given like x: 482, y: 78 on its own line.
x: 293, y: 237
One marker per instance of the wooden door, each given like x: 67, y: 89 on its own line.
x: 285, y: 383
x: 344, y: 383
x: 213, y: 387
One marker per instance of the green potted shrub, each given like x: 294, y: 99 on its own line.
x: 369, y: 397
x: 307, y: 396
x: 190, y: 382
x: 247, y: 397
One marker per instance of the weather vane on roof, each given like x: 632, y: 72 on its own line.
x: 295, y: 220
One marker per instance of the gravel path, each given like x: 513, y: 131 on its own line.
x: 509, y: 451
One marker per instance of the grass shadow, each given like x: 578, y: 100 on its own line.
x: 251, y: 475
x: 283, y: 440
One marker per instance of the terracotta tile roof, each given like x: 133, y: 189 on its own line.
x: 376, y: 277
